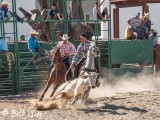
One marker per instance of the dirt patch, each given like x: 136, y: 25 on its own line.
x: 122, y: 106
x: 126, y: 99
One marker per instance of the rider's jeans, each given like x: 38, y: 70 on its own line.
x: 138, y: 31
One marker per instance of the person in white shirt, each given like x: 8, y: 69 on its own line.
x: 97, y: 14
x: 134, y: 25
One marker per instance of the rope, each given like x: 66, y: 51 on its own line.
x: 10, y: 60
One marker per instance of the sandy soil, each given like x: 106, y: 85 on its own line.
x: 116, y: 102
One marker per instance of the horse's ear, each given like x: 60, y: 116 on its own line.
x: 58, y: 48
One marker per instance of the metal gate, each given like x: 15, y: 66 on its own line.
x: 7, y: 83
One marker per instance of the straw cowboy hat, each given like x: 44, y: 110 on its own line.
x: 147, y: 15
x: 5, y: 3
x: 34, y: 32
x: 65, y: 37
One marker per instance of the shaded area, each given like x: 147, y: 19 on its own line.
x: 112, y: 109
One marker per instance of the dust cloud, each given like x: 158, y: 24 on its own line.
x: 124, y: 84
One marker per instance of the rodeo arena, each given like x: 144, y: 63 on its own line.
x: 79, y: 60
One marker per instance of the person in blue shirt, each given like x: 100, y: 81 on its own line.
x: 3, y: 46
x: 54, y: 13
x: 5, y: 14
x: 33, y: 44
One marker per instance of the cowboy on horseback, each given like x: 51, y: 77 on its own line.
x: 82, y: 50
x: 66, y: 49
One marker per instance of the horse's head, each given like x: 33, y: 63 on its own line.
x: 93, y: 49
x: 55, y: 55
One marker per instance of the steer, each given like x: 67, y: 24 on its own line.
x: 79, y: 87
x: 76, y: 88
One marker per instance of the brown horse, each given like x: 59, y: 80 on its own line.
x: 57, y: 74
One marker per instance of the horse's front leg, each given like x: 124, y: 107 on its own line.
x: 49, y: 82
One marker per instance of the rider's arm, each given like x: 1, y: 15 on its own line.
x: 37, y: 43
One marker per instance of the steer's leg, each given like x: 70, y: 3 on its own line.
x: 75, y: 96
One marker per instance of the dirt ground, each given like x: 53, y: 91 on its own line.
x: 105, y: 103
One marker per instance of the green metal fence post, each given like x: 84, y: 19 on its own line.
x: 53, y: 34
x: 65, y: 17
x: 16, y: 70
x: 109, y: 41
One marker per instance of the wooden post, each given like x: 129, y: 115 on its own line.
x: 145, y: 9
x: 116, y: 22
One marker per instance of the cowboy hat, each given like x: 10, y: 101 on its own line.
x: 65, y: 37
x: 5, y: 3
x: 34, y: 32
x: 147, y: 15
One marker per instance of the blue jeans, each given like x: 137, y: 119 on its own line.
x: 140, y: 33
x: 3, y: 51
x: 148, y: 25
